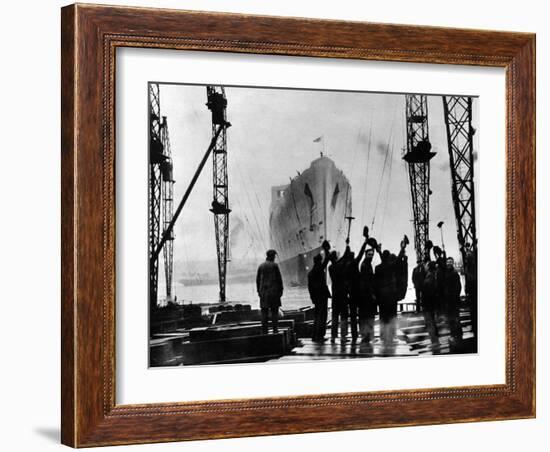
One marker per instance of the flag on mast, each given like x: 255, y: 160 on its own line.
x: 318, y: 139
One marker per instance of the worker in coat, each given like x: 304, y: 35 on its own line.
x: 340, y: 306
x: 367, y: 307
x: 269, y: 285
x: 450, y: 291
x: 319, y: 292
x: 418, y: 275
x: 428, y: 301
x: 386, y: 288
x: 353, y: 284
x: 388, y: 276
x: 470, y: 276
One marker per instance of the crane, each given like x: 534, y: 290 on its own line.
x: 218, y: 146
x: 156, y: 156
x: 458, y: 121
x: 217, y: 103
x: 161, y: 189
x: 166, y: 170
x: 418, y: 155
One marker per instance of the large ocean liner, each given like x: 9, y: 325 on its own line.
x: 311, y: 208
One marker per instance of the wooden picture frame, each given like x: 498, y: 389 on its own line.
x: 90, y: 36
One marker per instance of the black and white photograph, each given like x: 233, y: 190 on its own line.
x: 290, y: 225
x: 242, y: 226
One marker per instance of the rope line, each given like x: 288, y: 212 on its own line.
x: 369, y: 142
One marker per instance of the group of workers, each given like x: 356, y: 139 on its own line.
x: 360, y: 291
x: 438, y: 287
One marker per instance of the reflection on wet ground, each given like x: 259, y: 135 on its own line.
x: 412, y: 340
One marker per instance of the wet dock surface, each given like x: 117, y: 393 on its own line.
x: 244, y: 342
x: 412, y: 340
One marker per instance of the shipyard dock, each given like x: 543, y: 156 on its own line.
x: 234, y: 336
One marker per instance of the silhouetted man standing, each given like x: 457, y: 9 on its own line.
x: 428, y: 301
x: 390, y: 287
x: 319, y: 293
x: 353, y: 284
x: 470, y: 276
x: 340, y: 306
x: 418, y: 275
x: 269, y: 284
x: 451, y: 288
x: 386, y: 288
x: 367, y: 306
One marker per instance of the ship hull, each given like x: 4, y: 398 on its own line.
x: 294, y: 270
x: 304, y: 213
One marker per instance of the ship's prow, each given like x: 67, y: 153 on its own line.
x: 303, y: 213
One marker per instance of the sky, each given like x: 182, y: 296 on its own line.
x: 271, y: 138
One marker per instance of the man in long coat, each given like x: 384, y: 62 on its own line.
x: 319, y: 293
x: 340, y: 306
x: 390, y: 287
x: 367, y: 308
x: 418, y: 275
x: 353, y: 283
x: 451, y: 288
x: 428, y: 301
x: 269, y: 285
x: 386, y: 288
x: 470, y: 274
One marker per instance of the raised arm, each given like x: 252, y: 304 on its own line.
x: 429, y: 246
x: 401, y: 253
x: 348, y: 251
x: 361, y: 252
x: 326, y: 249
x: 403, y: 246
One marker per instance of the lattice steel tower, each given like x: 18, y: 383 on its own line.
x: 418, y: 156
x: 166, y: 169
x: 155, y: 159
x: 458, y: 120
x: 217, y: 103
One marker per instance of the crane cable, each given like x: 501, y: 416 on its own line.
x: 264, y: 224
x: 380, y: 184
x: 261, y: 236
x: 367, y: 172
x: 389, y: 178
x: 252, y: 234
x: 351, y: 178
x: 388, y: 187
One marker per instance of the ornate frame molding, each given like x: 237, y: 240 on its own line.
x: 90, y: 37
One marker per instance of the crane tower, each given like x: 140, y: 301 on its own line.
x: 418, y: 155
x: 217, y: 103
x: 155, y: 159
x: 166, y: 170
x: 160, y: 196
x: 458, y: 121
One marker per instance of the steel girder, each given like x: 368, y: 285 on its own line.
x: 167, y: 208
x: 418, y: 156
x: 458, y: 121
x: 155, y: 149
x: 220, y: 203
